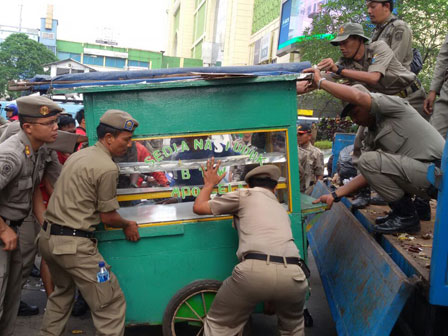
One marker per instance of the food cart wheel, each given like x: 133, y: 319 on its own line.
x: 186, y: 310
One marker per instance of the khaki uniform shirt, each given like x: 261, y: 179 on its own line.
x: 311, y: 164
x: 396, y: 130
x: 86, y: 187
x: 441, y: 69
x: 262, y: 222
x: 398, y: 36
x: 378, y: 57
x: 21, y: 170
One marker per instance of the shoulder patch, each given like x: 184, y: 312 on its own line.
x: 398, y: 35
x: 8, y: 164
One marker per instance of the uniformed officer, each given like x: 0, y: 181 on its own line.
x: 311, y: 159
x: 439, y: 85
x: 388, y: 28
x: 395, y: 161
x: 375, y: 66
x: 269, y: 269
x: 84, y: 196
x: 22, y: 163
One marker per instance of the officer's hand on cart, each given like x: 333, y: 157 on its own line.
x: 131, y: 231
x: 327, y: 64
x: 308, y: 86
x: 210, y: 172
x: 9, y: 238
x: 328, y: 199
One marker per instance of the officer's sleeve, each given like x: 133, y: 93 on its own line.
x: 386, y: 105
x: 441, y: 68
x: 107, y: 192
x: 319, y: 168
x: 65, y: 142
x: 401, y: 42
x: 52, y: 167
x: 10, y: 166
x: 225, y: 204
x: 382, y: 55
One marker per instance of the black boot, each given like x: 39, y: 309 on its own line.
x: 362, y: 199
x: 384, y: 219
x: 80, y: 307
x: 26, y: 309
x: 423, y: 208
x: 404, y: 218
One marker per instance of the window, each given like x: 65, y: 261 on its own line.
x: 160, y: 178
x: 94, y: 60
x: 140, y: 64
x: 115, y: 62
x: 67, y: 55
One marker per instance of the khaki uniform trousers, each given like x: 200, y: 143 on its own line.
x: 28, y: 232
x: 393, y: 175
x: 439, y: 117
x: 10, y: 287
x: 77, y: 267
x: 252, y: 282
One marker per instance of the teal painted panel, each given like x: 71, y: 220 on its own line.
x: 152, y: 270
x: 199, y: 109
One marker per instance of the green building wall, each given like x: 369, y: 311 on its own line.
x: 265, y: 11
x: 154, y: 59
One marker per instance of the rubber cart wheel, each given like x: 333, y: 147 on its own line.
x: 187, y: 308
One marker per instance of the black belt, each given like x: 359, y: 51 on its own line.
x: 60, y: 230
x: 280, y: 260
x: 13, y: 223
x: 410, y: 89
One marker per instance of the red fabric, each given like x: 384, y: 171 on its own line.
x: 81, y: 131
x: 13, y: 118
x: 62, y: 157
x: 142, y: 154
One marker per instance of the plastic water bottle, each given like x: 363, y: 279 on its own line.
x: 103, y: 274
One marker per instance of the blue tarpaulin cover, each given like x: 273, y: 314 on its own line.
x: 43, y: 82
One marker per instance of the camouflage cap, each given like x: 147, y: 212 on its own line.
x: 348, y: 106
x: 266, y: 171
x: 119, y: 120
x: 347, y: 30
x: 37, y: 107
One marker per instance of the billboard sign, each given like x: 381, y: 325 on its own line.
x: 296, y: 17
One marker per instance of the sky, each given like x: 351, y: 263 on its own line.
x: 141, y: 24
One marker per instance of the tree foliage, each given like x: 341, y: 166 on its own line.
x: 428, y: 20
x: 21, y: 58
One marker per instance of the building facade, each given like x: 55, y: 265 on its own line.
x: 216, y: 31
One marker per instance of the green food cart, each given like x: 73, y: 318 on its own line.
x: 171, y: 275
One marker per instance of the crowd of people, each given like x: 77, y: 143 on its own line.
x: 57, y: 189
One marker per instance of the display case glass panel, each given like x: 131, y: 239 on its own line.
x: 161, y: 177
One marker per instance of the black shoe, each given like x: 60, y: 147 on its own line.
x: 362, y: 199
x: 80, y: 307
x: 35, y: 273
x: 384, y: 219
x: 403, y: 218
x: 423, y: 208
x: 377, y: 200
x: 26, y: 309
x: 308, y: 318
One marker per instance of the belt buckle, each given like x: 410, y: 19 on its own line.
x: 74, y: 232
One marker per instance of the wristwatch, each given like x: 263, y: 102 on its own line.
x: 336, y: 198
x: 340, y: 68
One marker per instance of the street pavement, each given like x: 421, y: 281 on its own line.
x: 262, y: 325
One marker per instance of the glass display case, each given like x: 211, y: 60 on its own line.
x: 161, y: 177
